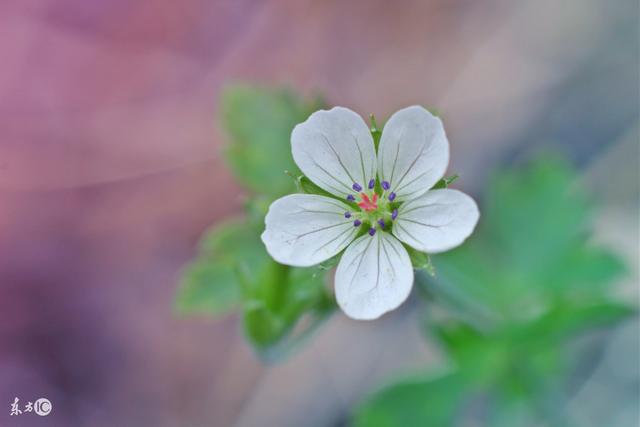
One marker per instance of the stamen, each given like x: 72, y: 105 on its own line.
x: 372, y: 183
x: 394, y: 214
x: 351, y: 198
x: 381, y: 222
x: 347, y: 214
x: 372, y: 231
x: 392, y: 196
x: 386, y: 185
x: 356, y: 187
x: 357, y: 223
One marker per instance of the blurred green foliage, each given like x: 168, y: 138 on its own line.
x: 233, y: 270
x: 513, y: 299
x: 211, y: 283
x: 506, y: 307
x: 419, y: 401
x: 258, y: 122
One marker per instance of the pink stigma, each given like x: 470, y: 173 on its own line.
x: 367, y: 204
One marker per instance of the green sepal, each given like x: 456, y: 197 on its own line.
x: 420, y: 260
x: 330, y: 263
x: 306, y: 186
x: 376, y: 133
x: 434, y: 111
x: 445, y: 182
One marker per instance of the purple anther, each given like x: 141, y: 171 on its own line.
x: 394, y: 214
x: 381, y: 222
x: 372, y: 231
x: 356, y: 187
x: 351, y: 198
x: 392, y: 196
x: 357, y: 223
x: 386, y: 185
x: 372, y: 183
x: 347, y: 214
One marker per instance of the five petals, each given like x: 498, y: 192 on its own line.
x: 334, y: 148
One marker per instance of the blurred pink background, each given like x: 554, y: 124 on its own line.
x: 110, y: 170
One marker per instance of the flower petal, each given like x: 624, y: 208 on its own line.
x: 374, y: 276
x: 437, y: 221
x: 306, y: 229
x: 413, y: 153
x: 335, y: 149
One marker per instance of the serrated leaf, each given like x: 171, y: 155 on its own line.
x: 532, y: 244
x: 517, y: 292
x: 527, y: 358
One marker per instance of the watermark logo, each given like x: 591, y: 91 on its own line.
x: 41, y: 407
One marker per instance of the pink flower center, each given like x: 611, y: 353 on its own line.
x: 368, y: 204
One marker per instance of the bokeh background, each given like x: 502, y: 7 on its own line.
x: 110, y: 170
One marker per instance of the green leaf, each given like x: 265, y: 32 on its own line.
x: 423, y: 401
x: 282, y: 297
x: 208, y: 287
x: 524, y: 358
x: 532, y: 245
x: 513, y: 411
x: 256, y: 209
x: 233, y: 270
x: 258, y: 122
x: 568, y: 319
x: 468, y: 284
x: 536, y: 215
x: 211, y: 283
x: 517, y: 293
x: 482, y: 359
x: 584, y: 270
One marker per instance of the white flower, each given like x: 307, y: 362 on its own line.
x: 383, y: 201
